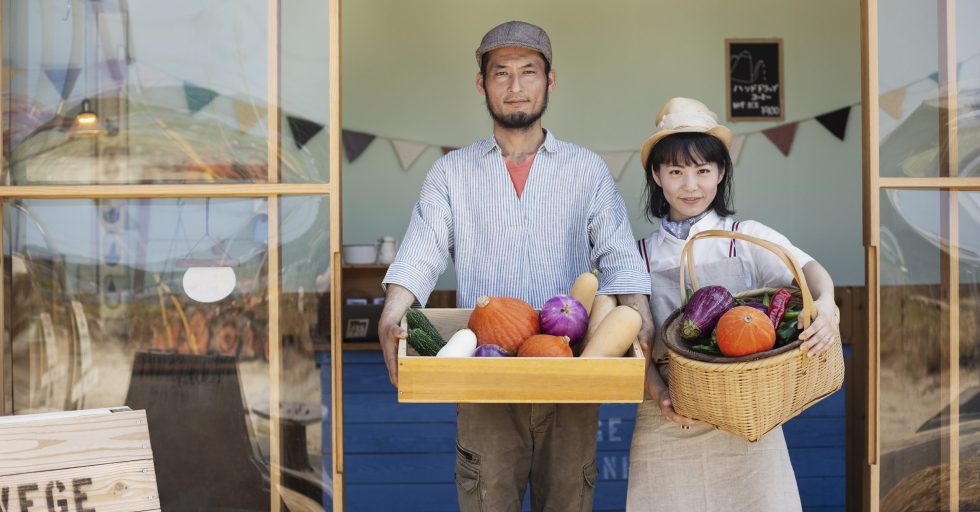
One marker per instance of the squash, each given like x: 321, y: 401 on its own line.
x: 744, y: 330
x: 545, y: 345
x: 503, y: 321
x: 584, y: 288
x: 615, y: 333
x: 601, y: 307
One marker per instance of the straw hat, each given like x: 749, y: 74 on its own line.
x: 680, y: 115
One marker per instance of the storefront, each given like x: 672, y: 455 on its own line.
x: 174, y: 223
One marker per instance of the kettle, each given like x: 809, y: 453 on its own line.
x: 387, y: 247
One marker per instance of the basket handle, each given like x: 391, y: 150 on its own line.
x: 687, y: 255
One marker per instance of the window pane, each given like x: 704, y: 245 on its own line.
x: 149, y: 92
x: 162, y: 305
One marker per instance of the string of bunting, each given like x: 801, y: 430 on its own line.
x: 781, y: 136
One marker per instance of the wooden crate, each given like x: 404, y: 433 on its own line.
x: 514, y: 379
x: 98, y: 459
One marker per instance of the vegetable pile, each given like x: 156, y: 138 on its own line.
x: 580, y: 323
x: 715, y: 323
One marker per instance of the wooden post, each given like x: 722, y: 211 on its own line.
x: 272, y: 204
x: 949, y: 327
x: 336, y: 234
x: 869, y: 355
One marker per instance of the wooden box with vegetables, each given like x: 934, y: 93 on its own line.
x: 579, y: 347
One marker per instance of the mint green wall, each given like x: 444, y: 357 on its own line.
x: 409, y: 70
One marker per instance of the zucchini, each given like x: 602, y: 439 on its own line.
x: 420, y: 340
x: 417, y: 320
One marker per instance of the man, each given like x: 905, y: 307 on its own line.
x: 522, y: 214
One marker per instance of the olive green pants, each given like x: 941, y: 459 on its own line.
x: 502, y: 447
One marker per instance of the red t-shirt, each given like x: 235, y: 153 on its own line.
x: 519, y: 173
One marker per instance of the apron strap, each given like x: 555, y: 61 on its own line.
x: 732, y: 253
x: 641, y: 244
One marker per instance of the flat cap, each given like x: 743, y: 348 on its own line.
x: 515, y: 33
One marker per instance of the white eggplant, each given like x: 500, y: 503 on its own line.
x: 462, y: 344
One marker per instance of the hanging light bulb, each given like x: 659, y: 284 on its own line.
x: 86, y: 122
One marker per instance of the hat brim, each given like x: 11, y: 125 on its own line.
x: 720, y: 132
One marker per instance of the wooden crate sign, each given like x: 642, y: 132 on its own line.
x: 96, y: 460
x: 514, y: 379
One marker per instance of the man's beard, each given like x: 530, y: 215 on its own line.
x: 518, y: 120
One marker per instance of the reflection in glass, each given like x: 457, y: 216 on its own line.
x: 155, y: 92
x: 914, y: 421
x: 99, y: 316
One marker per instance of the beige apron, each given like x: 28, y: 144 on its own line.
x: 703, y: 469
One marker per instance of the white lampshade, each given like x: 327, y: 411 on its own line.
x: 209, y: 284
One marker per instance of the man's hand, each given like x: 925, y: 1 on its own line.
x: 397, y: 302
x: 642, y: 305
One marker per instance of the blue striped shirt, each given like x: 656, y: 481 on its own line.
x: 569, y: 219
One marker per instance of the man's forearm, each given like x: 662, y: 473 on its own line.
x: 397, y: 301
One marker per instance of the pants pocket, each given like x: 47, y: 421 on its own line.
x: 468, y: 480
x: 589, y: 475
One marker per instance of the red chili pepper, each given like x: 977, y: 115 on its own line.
x: 777, y: 306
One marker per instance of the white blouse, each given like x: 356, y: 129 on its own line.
x: 662, y: 251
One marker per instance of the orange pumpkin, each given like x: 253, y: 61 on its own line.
x: 545, y: 345
x: 503, y: 321
x: 744, y: 330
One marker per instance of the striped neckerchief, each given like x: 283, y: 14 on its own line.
x: 681, y: 228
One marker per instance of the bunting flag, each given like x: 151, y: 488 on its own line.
x: 447, y: 149
x: 197, y: 97
x: 836, y: 121
x: 247, y: 114
x: 736, y: 148
x: 355, y: 143
x: 891, y: 102
x: 116, y: 68
x: 408, y: 152
x: 304, y: 130
x: 63, y: 79
x: 782, y: 136
x: 934, y: 77
x: 616, y: 161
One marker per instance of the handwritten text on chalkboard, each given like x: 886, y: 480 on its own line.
x: 754, y: 79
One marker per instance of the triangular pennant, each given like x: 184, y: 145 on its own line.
x: 408, y: 151
x: 616, y: 161
x: 836, y: 121
x: 355, y: 143
x: 782, y: 136
x: 197, y: 97
x: 447, y: 149
x: 304, y: 130
x: 892, y: 101
x: 116, y: 68
x: 934, y: 77
x: 63, y: 79
x: 736, y: 149
x: 247, y: 115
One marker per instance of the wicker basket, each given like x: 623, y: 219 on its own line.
x: 751, y: 395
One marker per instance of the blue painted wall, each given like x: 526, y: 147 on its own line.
x: 400, y: 457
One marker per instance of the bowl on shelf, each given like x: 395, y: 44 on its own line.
x: 361, y: 254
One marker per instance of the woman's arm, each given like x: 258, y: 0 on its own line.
x: 825, y: 327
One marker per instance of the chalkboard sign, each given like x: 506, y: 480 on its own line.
x: 754, y: 79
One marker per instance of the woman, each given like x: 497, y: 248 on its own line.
x: 677, y: 463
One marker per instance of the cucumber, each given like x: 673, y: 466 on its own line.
x: 420, y: 340
x: 417, y: 320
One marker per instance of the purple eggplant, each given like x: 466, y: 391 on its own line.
x: 703, y: 311
x: 491, y: 351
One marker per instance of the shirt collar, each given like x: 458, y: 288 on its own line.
x: 490, y: 144
x: 709, y: 221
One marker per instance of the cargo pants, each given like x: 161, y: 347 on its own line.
x: 502, y: 447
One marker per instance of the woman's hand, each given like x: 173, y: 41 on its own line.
x: 667, y: 409
x: 824, y: 329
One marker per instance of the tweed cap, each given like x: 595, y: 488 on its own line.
x: 515, y: 33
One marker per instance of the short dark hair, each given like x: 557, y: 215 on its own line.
x: 485, y: 60
x: 688, y: 148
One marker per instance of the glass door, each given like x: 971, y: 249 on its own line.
x: 170, y: 208
x: 922, y: 234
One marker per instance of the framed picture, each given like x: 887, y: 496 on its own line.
x: 754, y: 79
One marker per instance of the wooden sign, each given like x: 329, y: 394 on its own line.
x: 754, y: 79
x: 96, y: 460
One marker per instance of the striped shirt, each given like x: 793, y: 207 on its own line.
x: 569, y: 219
